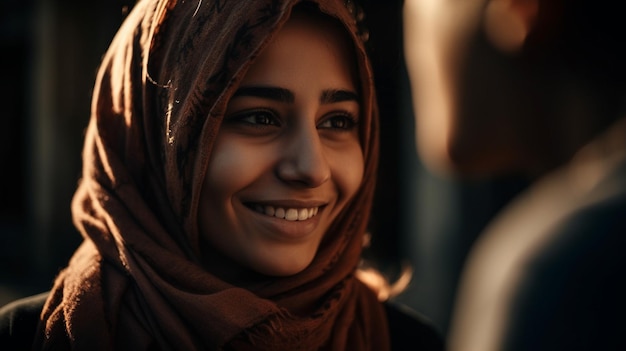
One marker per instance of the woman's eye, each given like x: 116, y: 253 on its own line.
x: 339, y: 122
x: 259, y: 118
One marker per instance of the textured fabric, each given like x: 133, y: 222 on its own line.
x: 408, y: 330
x: 137, y: 281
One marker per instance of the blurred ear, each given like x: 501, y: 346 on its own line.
x: 513, y: 25
x: 508, y: 23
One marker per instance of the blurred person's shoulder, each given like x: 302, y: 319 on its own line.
x: 19, y: 320
x: 410, y: 330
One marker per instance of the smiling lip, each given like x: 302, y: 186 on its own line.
x: 286, y: 220
x: 288, y: 212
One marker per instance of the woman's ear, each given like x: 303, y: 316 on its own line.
x: 508, y: 23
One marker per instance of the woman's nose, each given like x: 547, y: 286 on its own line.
x: 303, y: 161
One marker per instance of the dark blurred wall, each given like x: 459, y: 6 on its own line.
x: 51, y: 50
x: 382, y: 19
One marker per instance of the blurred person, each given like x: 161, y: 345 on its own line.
x: 228, y: 174
x: 534, y: 88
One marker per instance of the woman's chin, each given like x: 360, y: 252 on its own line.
x: 283, y: 266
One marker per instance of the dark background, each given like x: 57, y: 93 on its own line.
x: 51, y: 51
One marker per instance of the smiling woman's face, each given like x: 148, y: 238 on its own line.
x: 287, y: 158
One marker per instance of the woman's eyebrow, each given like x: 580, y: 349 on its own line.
x: 332, y: 96
x: 272, y: 93
x: 284, y: 95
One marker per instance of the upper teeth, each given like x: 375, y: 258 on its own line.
x: 290, y: 214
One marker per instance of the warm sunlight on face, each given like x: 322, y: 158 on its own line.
x: 434, y: 33
x: 287, y: 158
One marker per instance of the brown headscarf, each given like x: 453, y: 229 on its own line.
x: 137, y: 281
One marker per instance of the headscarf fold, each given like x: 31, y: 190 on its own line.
x: 137, y: 281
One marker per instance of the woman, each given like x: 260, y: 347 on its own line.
x: 228, y: 176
